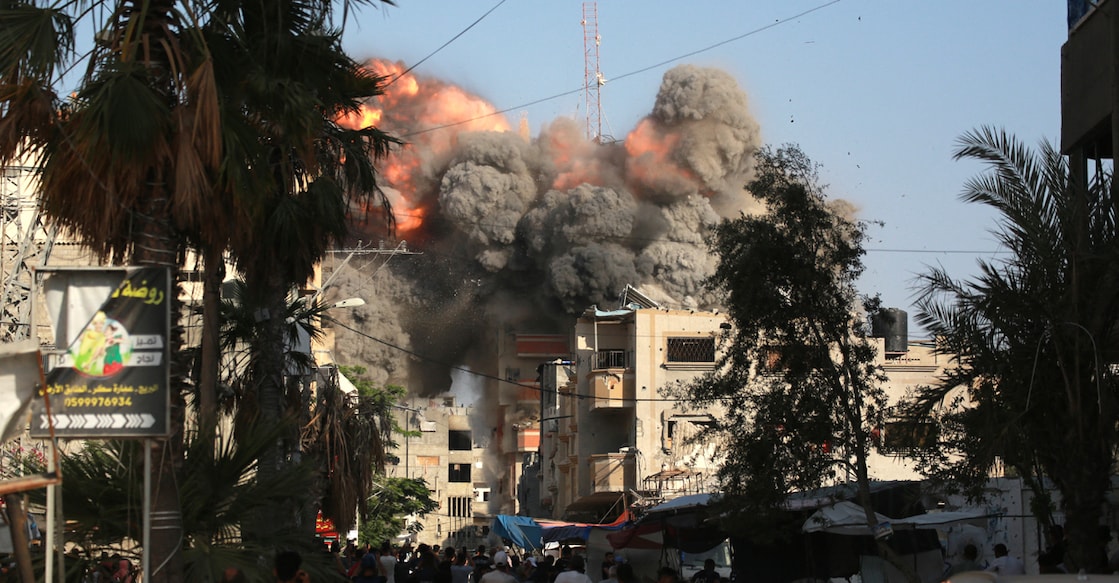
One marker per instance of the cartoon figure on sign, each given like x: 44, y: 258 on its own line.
x: 114, y: 361
x: 102, y: 348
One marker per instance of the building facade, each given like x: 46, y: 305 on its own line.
x: 443, y: 449
x: 610, y: 437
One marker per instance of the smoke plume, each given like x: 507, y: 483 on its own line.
x: 521, y: 234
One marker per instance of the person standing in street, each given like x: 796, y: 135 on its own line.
x: 574, y: 572
x: 388, y: 562
x: 500, y: 572
x: 1004, y: 564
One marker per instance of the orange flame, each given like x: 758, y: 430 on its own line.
x: 429, y: 114
x: 650, y: 163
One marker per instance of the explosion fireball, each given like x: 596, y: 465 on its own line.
x: 522, y: 234
x: 526, y: 234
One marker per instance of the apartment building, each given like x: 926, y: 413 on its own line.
x: 608, y: 432
x: 447, y: 453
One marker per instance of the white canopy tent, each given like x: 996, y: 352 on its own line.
x: 850, y: 519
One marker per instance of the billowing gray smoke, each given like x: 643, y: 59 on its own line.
x: 521, y: 235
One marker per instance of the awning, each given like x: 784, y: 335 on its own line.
x: 529, y: 533
x: 850, y: 519
x: 558, y: 532
x: 522, y: 530
x: 679, y: 523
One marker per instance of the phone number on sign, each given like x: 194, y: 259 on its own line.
x: 97, y: 401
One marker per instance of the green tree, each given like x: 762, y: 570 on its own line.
x: 392, y: 501
x: 1034, y: 336
x: 220, y: 489
x: 348, y: 436
x: 162, y: 146
x: 796, y: 376
x: 388, y: 501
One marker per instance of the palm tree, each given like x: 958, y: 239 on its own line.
x: 150, y: 154
x: 1035, y: 334
x: 124, y: 162
x: 294, y: 171
x: 221, y: 491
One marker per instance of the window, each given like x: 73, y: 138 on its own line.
x: 459, y: 506
x: 905, y: 435
x: 610, y: 359
x: 458, y: 473
x: 458, y: 440
x: 695, y: 349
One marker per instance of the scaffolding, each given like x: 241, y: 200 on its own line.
x: 25, y: 241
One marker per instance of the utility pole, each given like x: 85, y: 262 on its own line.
x: 408, y: 412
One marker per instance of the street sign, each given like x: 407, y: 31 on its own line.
x: 113, y: 379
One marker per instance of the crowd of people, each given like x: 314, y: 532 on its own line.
x: 1049, y: 561
x: 431, y: 564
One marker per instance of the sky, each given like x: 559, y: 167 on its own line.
x: 877, y: 92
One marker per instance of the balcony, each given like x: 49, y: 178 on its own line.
x: 612, y: 472
x: 1087, y: 83
x: 612, y: 389
x: 609, y: 359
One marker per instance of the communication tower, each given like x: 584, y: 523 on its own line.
x: 592, y: 77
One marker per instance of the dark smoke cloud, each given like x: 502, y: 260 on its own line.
x: 523, y: 235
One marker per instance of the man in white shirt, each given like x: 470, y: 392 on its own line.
x: 574, y: 572
x: 1004, y: 564
x: 388, y: 562
x: 500, y: 572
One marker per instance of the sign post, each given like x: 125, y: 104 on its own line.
x: 114, y: 379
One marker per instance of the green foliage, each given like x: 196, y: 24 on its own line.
x: 392, y: 500
x: 796, y: 376
x: 380, y: 399
x: 1033, y: 334
x: 220, y: 491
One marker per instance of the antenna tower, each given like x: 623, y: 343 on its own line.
x: 592, y: 77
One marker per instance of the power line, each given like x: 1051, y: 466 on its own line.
x: 942, y: 251
x: 629, y: 74
x: 489, y: 376
x: 729, y: 40
x: 444, y: 45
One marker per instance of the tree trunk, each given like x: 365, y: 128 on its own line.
x: 210, y: 349
x: 1083, y: 483
x: 862, y: 476
x: 156, y: 244
x: 270, y: 353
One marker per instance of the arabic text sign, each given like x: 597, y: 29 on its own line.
x: 113, y: 379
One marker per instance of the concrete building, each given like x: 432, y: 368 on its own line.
x: 907, y: 364
x: 609, y: 433
x: 516, y: 425
x: 447, y: 455
x: 1089, y: 94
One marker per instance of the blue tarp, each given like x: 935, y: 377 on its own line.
x: 526, y: 533
x: 564, y: 533
x: 523, y: 531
